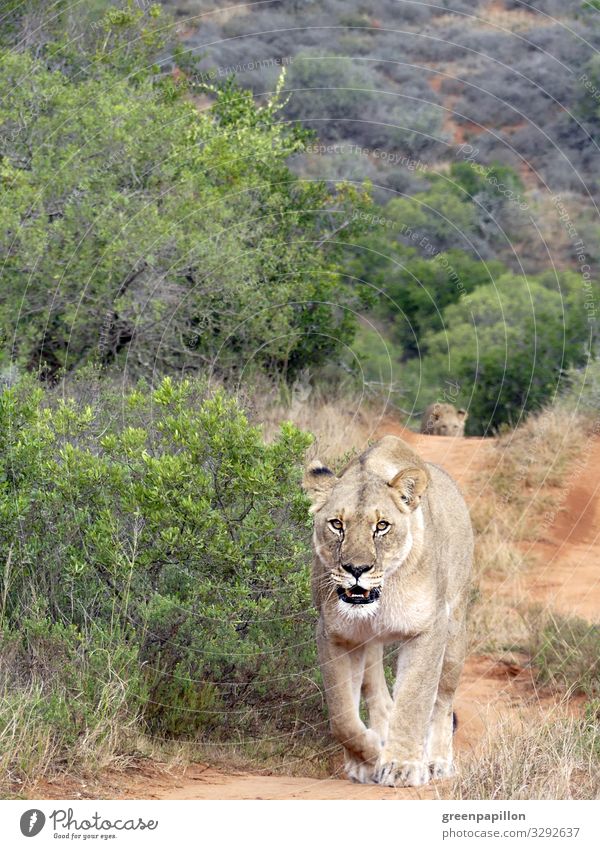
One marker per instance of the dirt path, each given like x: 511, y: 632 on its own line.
x: 566, y: 577
x: 568, y: 581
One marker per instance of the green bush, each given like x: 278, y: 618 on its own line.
x: 163, y: 522
x: 507, y: 344
x: 137, y: 229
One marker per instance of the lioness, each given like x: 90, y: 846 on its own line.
x: 393, y: 550
x: 444, y: 420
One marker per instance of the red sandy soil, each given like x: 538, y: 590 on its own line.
x: 567, y: 580
x: 566, y: 577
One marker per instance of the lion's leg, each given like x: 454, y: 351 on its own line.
x: 439, y: 749
x: 342, y: 671
x: 403, y: 758
x: 375, y: 689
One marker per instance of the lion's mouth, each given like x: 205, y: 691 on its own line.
x: 358, y: 595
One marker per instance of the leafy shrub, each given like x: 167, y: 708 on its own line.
x: 507, y: 345
x: 158, y: 236
x: 333, y: 91
x: 412, y: 259
x: 163, y: 521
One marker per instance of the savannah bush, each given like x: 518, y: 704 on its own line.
x: 155, y: 546
x: 141, y: 230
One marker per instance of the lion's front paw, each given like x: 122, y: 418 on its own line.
x: 397, y: 773
x: 360, y: 764
x: 442, y: 768
x: 360, y: 771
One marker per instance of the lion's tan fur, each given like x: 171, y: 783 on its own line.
x: 443, y: 420
x: 422, y: 565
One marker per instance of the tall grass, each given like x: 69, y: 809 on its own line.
x: 338, y: 424
x: 68, y: 700
x: 530, y: 464
x: 565, y: 652
x: 525, y: 757
x: 524, y: 474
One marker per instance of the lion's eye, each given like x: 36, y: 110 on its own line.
x: 336, y: 524
x: 382, y: 525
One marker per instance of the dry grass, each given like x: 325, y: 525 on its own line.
x: 495, y: 556
x: 339, y: 426
x: 522, y: 480
x: 313, y: 755
x: 565, y: 652
x: 526, y: 757
x: 524, y: 477
x: 531, y: 464
x: 58, y: 710
x: 36, y: 741
x: 495, y: 625
x: 28, y: 749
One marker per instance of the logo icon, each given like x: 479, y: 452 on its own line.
x: 32, y: 822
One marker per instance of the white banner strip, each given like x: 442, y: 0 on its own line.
x: 360, y: 824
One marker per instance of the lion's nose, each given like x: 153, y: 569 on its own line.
x: 356, y: 571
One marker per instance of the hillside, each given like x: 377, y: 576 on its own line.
x: 476, y: 127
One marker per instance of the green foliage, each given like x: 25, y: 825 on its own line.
x: 138, y: 229
x: 85, y: 39
x: 410, y: 259
x: 507, y: 345
x: 451, y: 318
x: 71, y: 672
x: 162, y: 521
x: 481, y: 180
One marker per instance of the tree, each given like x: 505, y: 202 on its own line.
x: 508, y: 344
x: 136, y: 228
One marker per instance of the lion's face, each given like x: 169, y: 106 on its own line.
x: 445, y: 420
x: 363, y: 529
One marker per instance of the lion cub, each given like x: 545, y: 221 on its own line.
x: 393, y: 551
x: 444, y: 420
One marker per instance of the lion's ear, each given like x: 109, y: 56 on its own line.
x: 463, y: 414
x: 317, y: 483
x: 409, y: 485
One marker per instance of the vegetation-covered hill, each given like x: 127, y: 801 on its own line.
x: 477, y: 125
x: 160, y: 217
